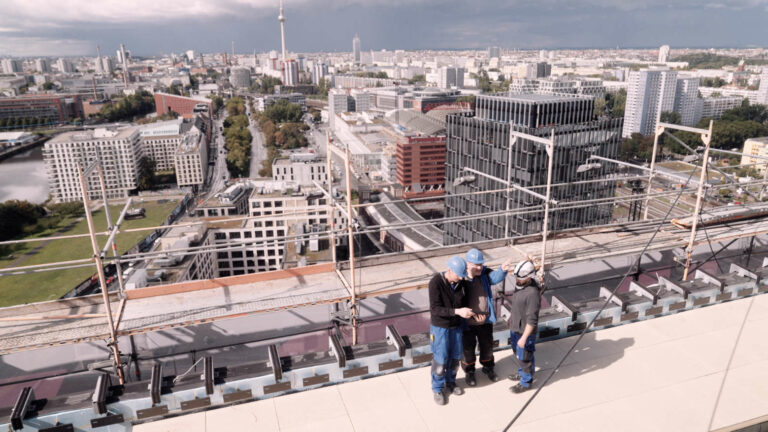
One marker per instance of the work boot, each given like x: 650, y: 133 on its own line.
x: 454, y: 389
x: 470, y: 379
x: 518, y: 388
x: 491, y: 375
x: 440, y: 398
x: 514, y: 377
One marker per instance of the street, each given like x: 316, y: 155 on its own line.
x: 258, y: 145
x: 219, y: 175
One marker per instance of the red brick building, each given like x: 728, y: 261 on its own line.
x: 55, y: 107
x: 421, y: 166
x: 184, y: 106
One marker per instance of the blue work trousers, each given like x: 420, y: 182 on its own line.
x: 446, y: 355
x: 524, y: 357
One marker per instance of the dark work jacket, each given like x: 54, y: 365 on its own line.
x: 524, y: 307
x: 443, y: 300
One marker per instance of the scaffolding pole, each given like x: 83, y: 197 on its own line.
x: 706, y: 137
x: 102, y: 279
x: 545, y: 228
x: 656, y: 135
x: 331, y: 201
x: 350, y: 228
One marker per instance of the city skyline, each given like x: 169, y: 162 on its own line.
x: 43, y: 27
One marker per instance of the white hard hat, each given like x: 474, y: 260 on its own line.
x: 524, y: 269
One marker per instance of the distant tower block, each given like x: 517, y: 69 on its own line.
x: 356, y: 48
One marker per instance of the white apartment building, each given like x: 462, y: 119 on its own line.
x: 756, y: 147
x: 11, y: 66
x: 263, y: 239
x: 338, y: 102
x: 191, y: 159
x: 65, y: 66
x: 42, y: 65
x: 714, y: 107
x: 301, y: 168
x: 319, y: 72
x: 451, y: 77
x: 762, y: 91
x: 232, y: 201
x: 179, y: 145
x: 649, y: 93
x: 363, y: 100
x: 118, y: 151
x: 686, y: 98
x: 160, y: 140
x: 663, y: 53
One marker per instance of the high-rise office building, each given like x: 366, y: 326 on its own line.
x: 356, y: 49
x: 649, y: 93
x: 494, y: 52
x: 663, y: 53
x: 686, y: 100
x: 483, y: 143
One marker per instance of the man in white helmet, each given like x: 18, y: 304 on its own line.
x: 524, y: 319
x: 447, y: 306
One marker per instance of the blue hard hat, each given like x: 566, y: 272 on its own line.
x: 475, y: 256
x: 458, y: 266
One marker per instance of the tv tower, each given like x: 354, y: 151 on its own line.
x: 281, y: 18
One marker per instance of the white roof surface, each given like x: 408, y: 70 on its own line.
x: 700, y: 370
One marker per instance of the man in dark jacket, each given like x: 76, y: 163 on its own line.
x: 479, y: 329
x: 447, y: 305
x: 524, y: 319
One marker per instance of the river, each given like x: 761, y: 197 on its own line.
x: 23, y: 177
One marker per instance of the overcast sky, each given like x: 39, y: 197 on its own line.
x: 153, y: 27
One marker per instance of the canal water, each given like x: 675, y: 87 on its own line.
x: 23, y: 177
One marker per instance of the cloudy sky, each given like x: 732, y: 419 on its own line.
x: 151, y: 27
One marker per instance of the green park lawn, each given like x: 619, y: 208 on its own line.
x: 50, y: 285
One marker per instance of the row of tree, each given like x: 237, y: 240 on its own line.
x: 237, y: 139
x: 729, y: 132
x: 128, y: 108
x: 24, y: 122
x: 283, y: 130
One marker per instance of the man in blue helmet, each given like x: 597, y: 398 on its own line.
x: 479, y: 329
x: 447, y: 306
x: 524, y: 311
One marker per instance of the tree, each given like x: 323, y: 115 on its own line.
x: 283, y: 111
x: 147, y: 178
x: 418, y: 79
x: 48, y: 85
x: 17, y: 214
x: 636, y: 147
x: 747, y: 112
x: 713, y: 82
x: 670, y: 117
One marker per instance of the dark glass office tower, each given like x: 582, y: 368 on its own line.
x: 482, y: 142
